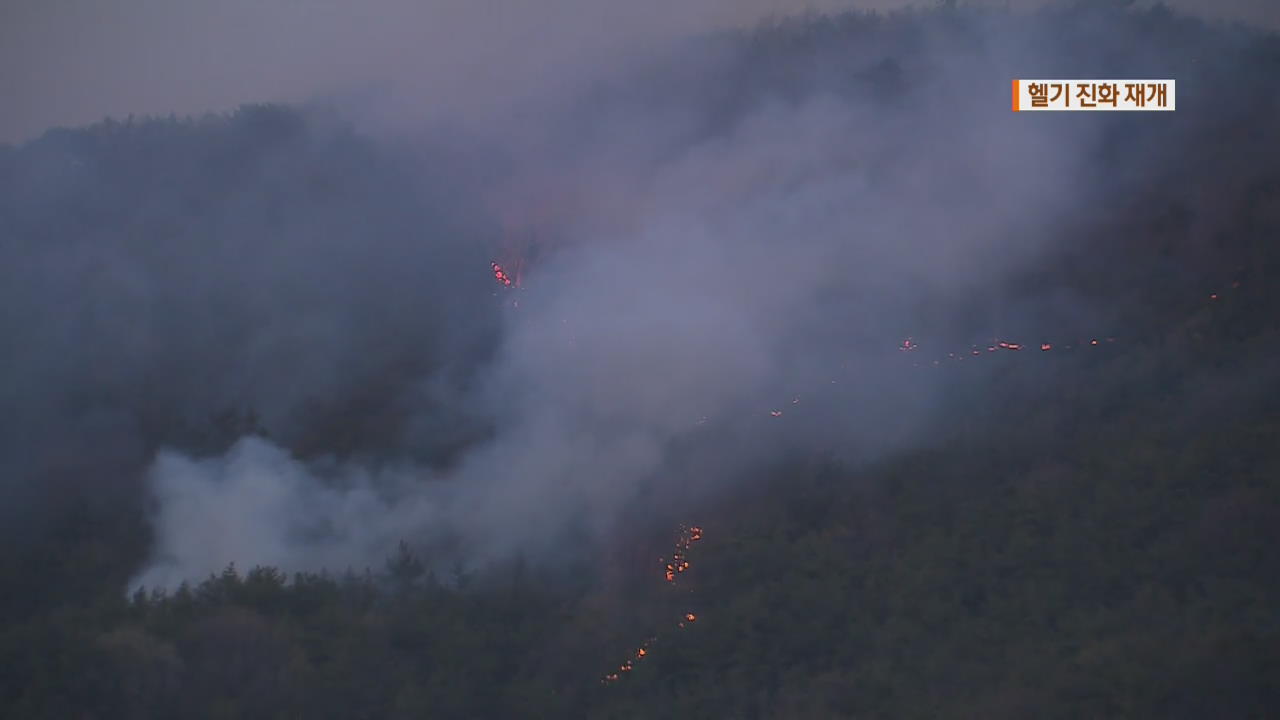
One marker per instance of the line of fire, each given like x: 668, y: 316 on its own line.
x: 507, y: 272
x: 674, y: 566
x: 509, y: 275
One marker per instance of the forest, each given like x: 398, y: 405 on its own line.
x: 1083, y: 531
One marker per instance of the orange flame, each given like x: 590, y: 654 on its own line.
x: 686, y: 537
x: 500, y: 274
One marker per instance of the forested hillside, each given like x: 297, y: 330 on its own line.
x: 1082, y: 531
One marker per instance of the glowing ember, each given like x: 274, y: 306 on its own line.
x: 684, y: 538
x: 500, y: 274
x: 775, y: 413
x: 1045, y: 347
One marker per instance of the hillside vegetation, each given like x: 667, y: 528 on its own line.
x: 1084, y: 534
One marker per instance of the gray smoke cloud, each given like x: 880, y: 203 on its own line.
x: 698, y: 271
x: 725, y: 225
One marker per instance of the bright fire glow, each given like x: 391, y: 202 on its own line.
x: 685, y: 538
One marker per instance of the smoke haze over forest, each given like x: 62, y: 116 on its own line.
x: 711, y: 248
x: 271, y: 337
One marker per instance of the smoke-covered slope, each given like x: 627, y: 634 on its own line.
x: 267, y: 339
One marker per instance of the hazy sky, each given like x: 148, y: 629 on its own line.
x: 75, y: 61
